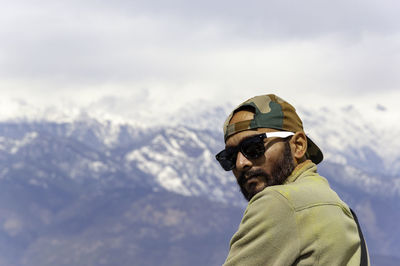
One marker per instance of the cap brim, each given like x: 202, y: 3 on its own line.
x: 314, y: 153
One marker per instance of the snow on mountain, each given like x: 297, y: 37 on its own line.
x: 362, y: 136
x: 365, y: 138
x: 13, y: 145
x: 361, y: 140
x: 176, y: 147
x: 182, y: 161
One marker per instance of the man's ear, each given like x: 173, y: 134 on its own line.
x: 298, y: 144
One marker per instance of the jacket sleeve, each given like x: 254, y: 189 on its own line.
x: 267, y: 234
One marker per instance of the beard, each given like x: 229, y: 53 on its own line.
x: 279, y: 173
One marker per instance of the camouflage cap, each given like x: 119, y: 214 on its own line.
x: 272, y: 112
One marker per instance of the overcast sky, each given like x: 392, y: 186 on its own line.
x: 91, y: 51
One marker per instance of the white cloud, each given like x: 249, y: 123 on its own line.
x: 82, y: 53
x: 12, y: 226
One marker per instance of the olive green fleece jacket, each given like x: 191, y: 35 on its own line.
x: 302, y: 222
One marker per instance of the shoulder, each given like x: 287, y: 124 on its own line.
x: 269, y: 200
x: 307, y: 192
x: 269, y: 210
x: 266, y: 210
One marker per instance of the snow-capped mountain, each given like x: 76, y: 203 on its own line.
x: 62, y: 169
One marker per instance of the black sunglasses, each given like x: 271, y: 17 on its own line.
x: 251, y: 147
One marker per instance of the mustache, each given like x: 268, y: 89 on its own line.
x: 247, y: 175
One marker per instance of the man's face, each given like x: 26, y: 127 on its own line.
x: 253, y: 175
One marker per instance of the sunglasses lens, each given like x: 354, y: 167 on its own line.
x: 253, y: 148
x: 227, y: 159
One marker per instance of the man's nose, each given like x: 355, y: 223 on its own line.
x: 242, y: 163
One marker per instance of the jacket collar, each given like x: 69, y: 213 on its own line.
x: 306, y: 167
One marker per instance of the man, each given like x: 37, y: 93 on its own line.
x: 293, y: 216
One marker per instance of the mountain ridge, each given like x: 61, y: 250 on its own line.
x: 61, y: 166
